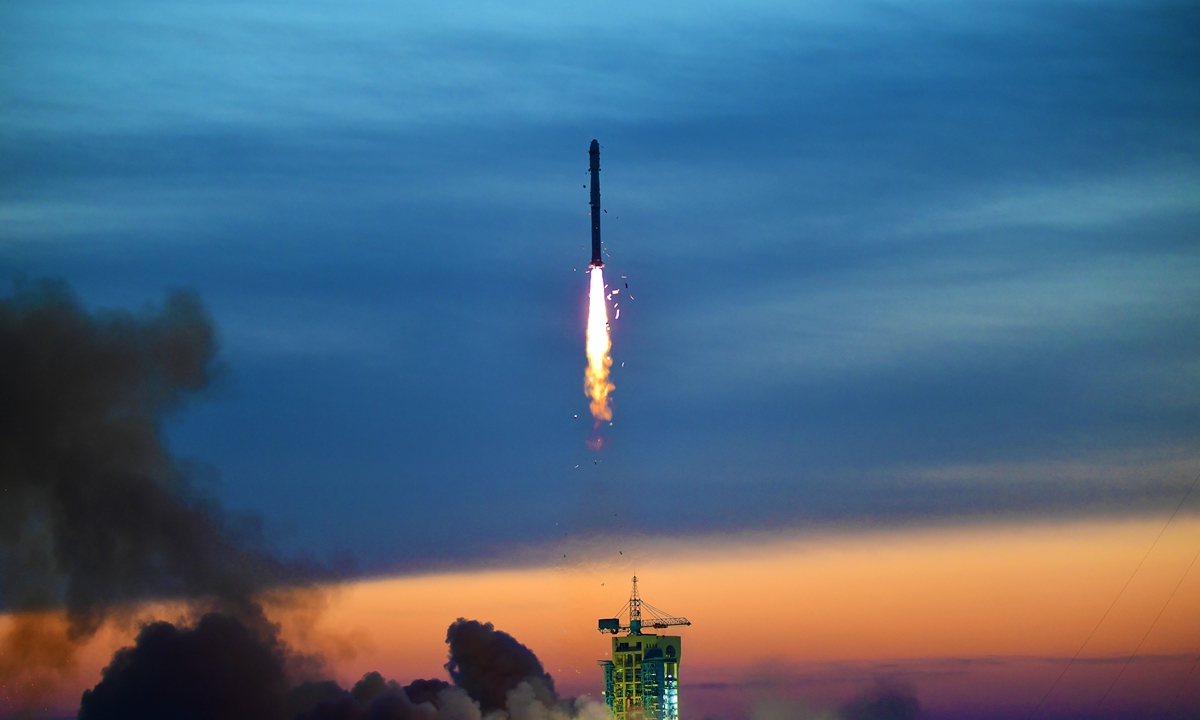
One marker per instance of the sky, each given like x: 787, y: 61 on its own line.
x: 893, y: 269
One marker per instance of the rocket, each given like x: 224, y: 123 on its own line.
x: 594, y: 153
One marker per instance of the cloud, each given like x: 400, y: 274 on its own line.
x: 1082, y: 204
x: 858, y: 235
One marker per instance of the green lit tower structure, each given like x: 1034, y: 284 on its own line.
x: 641, y: 681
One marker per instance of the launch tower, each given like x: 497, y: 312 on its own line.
x: 641, y: 681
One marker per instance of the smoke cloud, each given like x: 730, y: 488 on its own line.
x: 96, y: 511
x: 221, y: 668
x: 488, y: 664
x: 97, y: 515
x: 230, y: 668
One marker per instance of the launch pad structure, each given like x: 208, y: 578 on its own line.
x: 641, y: 681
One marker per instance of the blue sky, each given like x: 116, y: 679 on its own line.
x: 890, y: 263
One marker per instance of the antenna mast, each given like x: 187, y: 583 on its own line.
x: 635, y: 610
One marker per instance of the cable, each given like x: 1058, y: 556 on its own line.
x: 1183, y: 685
x: 1114, y: 602
x: 1139, y: 645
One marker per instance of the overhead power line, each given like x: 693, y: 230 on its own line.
x: 1088, y: 639
x: 1139, y: 645
x: 1183, y: 684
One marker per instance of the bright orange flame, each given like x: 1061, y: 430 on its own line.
x: 596, y: 384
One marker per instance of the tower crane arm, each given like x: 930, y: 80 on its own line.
x: 614, y: 625
x: 665, y: 622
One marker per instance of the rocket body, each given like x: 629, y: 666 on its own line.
x: 594, y: 155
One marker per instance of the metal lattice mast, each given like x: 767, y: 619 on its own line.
x: 635, y: 610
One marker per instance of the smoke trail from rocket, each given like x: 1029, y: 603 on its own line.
x: 597, y: 385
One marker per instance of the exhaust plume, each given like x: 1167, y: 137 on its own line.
x: 596, y: 382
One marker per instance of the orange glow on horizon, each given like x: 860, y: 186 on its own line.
x: 1030, y: 592
x: 1015, y: 590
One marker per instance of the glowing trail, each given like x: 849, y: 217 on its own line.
x: 596, y: 383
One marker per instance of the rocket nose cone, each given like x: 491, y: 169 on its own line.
x: 595, y: 146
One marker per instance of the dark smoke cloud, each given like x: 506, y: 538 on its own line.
x: 488, y: 663
x: 374, y: 698
x: 221, y: 668
x: 96, y: 511
x: 420, y: 691
x: 230, y: 668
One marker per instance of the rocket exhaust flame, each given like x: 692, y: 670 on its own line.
x: 596, y: 384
